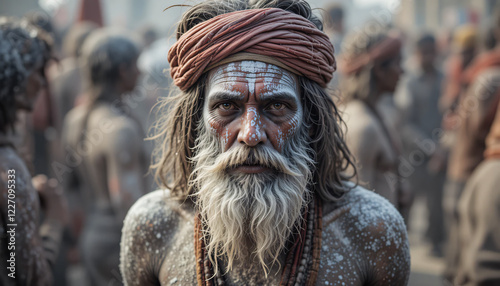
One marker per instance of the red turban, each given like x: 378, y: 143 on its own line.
x: 274, y: 33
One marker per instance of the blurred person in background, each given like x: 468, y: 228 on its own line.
x: 66, y: 86
x: 153, y: 83
x: 479, y: 212
x: 67, y: 81
x: 334, y: 26
x: 418, y: 102
x: 44, y: 116
x: 147, y: 36
x: 372, y: 68
x: 24, y: 54
x: 473, y: 118
x: 464, y: 49
x: 107, y: 143
x: 444, y: 41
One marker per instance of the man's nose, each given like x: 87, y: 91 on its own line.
x: 251, y: 130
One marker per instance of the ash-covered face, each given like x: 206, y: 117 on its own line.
x: 252, y: 103
x: 252, y: 161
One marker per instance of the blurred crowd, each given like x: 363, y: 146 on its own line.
x: 419, y: 111
x: 421, y: 120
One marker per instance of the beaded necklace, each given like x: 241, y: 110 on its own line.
x: 302, y: 261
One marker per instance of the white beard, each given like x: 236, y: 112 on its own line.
x: 250, y: 215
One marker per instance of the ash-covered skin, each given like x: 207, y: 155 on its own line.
x: 364, y: 242
x: 32, y: 266
x: 252, y: 102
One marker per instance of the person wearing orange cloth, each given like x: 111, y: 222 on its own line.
x: 252, y: 159
x: 474, y: 115
x: 479, y: 210
x: 67, y: 80
x: 372, y: 69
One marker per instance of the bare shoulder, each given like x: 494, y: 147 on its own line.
x: 73, y: 123
x: 364, y: 209
x: 154, y: 218
x: 149, y: 227
x: 158, y: 206
x: 375, y: 234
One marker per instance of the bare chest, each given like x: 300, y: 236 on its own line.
x: 339, y: 265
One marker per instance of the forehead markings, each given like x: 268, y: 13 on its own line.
x: 273, y: 77
x: 285, y: 85
x: 277, y: 83
x: 225, y: 89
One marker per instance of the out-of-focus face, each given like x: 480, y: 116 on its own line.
x: 252, y: 103
x: 426, y: 54
x: 129, y: 75
x: 388, y: 74
x: 34, y: 85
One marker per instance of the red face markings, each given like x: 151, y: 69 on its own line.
x: 252, y: 103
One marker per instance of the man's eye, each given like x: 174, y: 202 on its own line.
x: 277, y: 106
x: 226, y: 106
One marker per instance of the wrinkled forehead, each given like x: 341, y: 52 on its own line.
x: 245, y: 74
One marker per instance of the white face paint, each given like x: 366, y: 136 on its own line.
x: 252, y: 102
x: 252, y: 143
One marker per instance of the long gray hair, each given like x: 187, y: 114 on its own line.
x: 176, y: 130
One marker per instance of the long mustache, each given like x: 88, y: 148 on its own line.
x: 259, y: 155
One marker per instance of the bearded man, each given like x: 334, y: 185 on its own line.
x: 252, y: 157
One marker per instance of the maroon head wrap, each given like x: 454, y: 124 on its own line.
x: 273, y: 33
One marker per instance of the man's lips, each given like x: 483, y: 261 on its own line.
x: 251, y: 169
